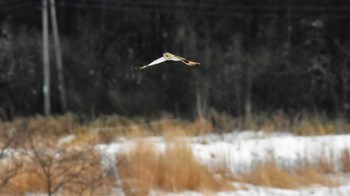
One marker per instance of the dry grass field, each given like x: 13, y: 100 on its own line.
x: 37, y: 157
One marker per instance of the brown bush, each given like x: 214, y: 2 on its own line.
x: 271, y: 175
x: 174, y: 170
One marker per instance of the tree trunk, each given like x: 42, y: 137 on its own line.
x: 46, y: 62
x: 58, y: 54
x: 202, y: 84
x: 238, y: 90
x: 248, y: 97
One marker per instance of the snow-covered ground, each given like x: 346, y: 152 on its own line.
x: 263, y: 191
x: 241, y: 150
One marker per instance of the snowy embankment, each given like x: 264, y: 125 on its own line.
x: 241, y: 151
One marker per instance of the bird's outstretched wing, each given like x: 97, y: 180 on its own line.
x: 186, y: 61
x: 157, y: 61
x: 170, y: 57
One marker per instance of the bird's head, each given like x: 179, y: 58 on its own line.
x: 167, y: 55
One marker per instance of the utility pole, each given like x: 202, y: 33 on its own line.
x: 58, y: 55
x: 46, y: 62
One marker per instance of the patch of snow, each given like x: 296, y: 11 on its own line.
x: 287, y: 151
x: 66, y: 139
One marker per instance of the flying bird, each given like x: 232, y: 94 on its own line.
x: 170, y: 57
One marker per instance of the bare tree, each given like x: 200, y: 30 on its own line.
x: 10, y: 163
x: 66, y: 170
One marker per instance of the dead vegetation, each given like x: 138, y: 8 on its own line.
x: 70, y: 174
x: 73, y: 167
x: 345, y: 161
x: 31, y: 160
x: 175, y: 169
x: 107, y: 128
x: 271, y: 175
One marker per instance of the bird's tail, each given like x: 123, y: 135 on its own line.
x: 193, y: 63
x: 190, y: 63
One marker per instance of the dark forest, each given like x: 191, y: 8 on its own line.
x: 256, y: 56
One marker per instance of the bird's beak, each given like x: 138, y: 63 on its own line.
x: 139, y: 68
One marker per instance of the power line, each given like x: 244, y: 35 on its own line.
x: 231, y: 11
x: 213, y: 4
x: 183, y: 5
x: 207, y: 8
